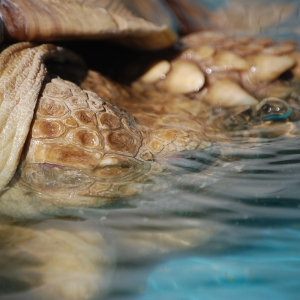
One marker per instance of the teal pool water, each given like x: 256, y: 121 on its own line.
x: 267, y: 269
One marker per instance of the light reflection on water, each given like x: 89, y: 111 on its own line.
x: 254, y: 195
x: 221, y: 224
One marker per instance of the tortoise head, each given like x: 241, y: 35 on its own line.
x: 79, y: 142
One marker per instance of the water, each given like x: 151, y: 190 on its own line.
x: 223, y: 223
x: 255, y: 251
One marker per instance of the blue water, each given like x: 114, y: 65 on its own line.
x: 267, y: 269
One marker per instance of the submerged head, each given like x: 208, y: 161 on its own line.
x: 79, y: 145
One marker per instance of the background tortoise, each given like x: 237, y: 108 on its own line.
x: 86, y: 146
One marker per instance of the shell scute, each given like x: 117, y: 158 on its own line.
x: 70, y: 122
x: 94, y: 101
x: 122, y: 142
x: 87, y: 138
x: 52, y: 108
x: 75, y: 102
x: 48, y: 129
x: 57, y: 91
x: 108, y: 121
x: 85, y: 117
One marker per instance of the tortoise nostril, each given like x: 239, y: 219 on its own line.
x: 286, y: 76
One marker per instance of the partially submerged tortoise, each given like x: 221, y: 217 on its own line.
x: 89, y: 145
x: 72, y: 137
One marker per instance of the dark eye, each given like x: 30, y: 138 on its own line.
x: 273, y: 109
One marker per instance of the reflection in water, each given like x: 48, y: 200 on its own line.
x: 225, y: 222
x: 255, y: 198
x: 55, y: 259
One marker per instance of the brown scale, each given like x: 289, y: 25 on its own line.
x: 48, y: 129
x: 50, y: 107
x: 87, y: 138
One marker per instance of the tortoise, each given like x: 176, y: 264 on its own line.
x: 73, y: 137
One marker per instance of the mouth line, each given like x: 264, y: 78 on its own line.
x: 51, y: 166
